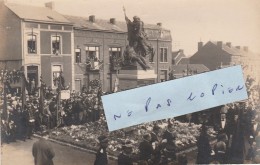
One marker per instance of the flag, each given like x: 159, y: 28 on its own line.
x: 23, y: 88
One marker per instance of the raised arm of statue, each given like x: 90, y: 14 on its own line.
x: 126, y: 18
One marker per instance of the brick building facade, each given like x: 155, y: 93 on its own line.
x: 45, y: 43
x: 216, y: 54
x: 40, y: 43
x: 100, y: 39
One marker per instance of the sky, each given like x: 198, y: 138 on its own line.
x: 190, y: 21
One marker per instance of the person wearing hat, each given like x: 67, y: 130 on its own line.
x: 156, y: 144
x: 43, y: 152
x: 101, y: 155
x: 220, y: 149
x: 146, y: 148
x: 125, y: 157
x: 169, y: 149
x: 204, y: 148
x: 154, y: 133
x: 53, y: 110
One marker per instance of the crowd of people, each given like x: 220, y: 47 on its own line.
x: 237, y: 124
x: 21, y: 121
x: 237, y: 141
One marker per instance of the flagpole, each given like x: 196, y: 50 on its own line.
x: 58, y: 99
x: 5, y: 115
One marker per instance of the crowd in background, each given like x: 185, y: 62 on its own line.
x: 21, y: 122
x: 237, y: 125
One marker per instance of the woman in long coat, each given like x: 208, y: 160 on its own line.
x: 204, y: 148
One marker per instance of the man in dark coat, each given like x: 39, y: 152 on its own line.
x: 146, y: 148
x: 53, y: 110
x: 156, y: 144
x: 43, y: 152
x: 237, y: 149
x: 220, y: 149
x: 101, y: 155
x: 204, y: 148
x: 125, y: 158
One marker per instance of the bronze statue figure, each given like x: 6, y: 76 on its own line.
x: 138, y: 49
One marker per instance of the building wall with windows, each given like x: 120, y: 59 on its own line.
x: 99, y: 43
x: 46, y: 46
x: 92, y: 54
x: 45, y: 42
x: 38, y: 39
x: 10, y: 32
x: 215, y: 55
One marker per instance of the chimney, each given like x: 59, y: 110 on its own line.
x: 220, y: 44
x: 200, y: 45
x: 50, y: 5
x: 113, y: 21
x: 246, y: 48
x: 228, y: 44
x: 92, y: 18
x: 159, y: 24
x: 238, y: 47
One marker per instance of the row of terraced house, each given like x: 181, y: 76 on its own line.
x: 45, y: 42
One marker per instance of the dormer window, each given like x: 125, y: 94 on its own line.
x: 50, y: 17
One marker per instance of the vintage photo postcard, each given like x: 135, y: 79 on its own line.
x: 128, y: 82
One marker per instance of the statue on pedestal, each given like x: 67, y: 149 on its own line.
x: 138, y: 49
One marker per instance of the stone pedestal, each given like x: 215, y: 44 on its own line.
x: 133, y: 77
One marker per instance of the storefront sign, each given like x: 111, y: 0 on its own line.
x: 64, y: 94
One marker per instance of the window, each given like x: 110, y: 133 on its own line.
x: 151, y: 56
x: 163, y: 75
x: 56, y: 70
x: 115, y: 53
x: 56, y: 44
x: 31, y: 44
x: 78, y: 55
x: 163, y: 54
x: 115, y: 57
x: 78, y: 85
x: 92, y: 53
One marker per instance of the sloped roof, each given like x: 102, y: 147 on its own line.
x: 38, y: 14
x: 175, y: 54
x: 194, y: 67
x: 184, y: 60
x: 230, y: 50
x: 99, y: 24
x: 119, y: 26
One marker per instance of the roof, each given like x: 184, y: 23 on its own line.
x: 119, y: 26
x: 177, y: 56
x: 230, y: 50
x: 38, y: 14
x: 99, y: 24
x: 194, y: 67
x: 184, y: 60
